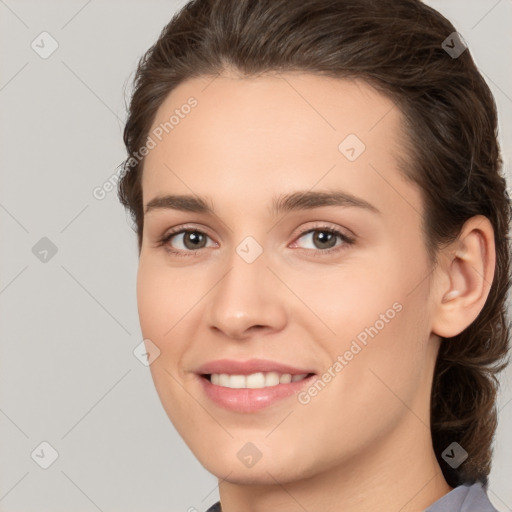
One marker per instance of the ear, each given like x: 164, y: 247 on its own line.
x: 464, y: 277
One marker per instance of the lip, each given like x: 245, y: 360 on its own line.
x: 251, y: 400
x: 233, y: 367
x: 246, y: 400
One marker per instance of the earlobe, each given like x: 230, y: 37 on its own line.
x: 465, y: 278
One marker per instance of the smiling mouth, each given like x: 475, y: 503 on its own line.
x: 256, y: 380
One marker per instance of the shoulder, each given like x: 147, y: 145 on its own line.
x: 464, y: 498
x: 215, y: 507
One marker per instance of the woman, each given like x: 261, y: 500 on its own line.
x: 323, y: 256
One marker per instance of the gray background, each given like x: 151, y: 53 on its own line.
x: 69, y: 324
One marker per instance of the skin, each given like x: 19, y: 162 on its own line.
x: 364, y: 442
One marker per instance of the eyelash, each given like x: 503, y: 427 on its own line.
x: 347, y: 241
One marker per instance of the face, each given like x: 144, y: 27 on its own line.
x: 298, y: 252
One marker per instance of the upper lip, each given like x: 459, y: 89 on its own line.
x: 233, y: 367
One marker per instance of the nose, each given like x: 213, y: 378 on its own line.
x: 247, y: 300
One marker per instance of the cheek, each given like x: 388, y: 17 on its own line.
x: 379, y: 327
x: 163, y: 298
x: 370, y: 294
x: 163, y: 301
x: 349, y: 298
x: 151, y: 302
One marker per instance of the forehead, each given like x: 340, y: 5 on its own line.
x: 302, y: 105
x: 273, y: 132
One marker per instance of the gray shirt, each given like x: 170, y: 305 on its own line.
x: 464, y: 498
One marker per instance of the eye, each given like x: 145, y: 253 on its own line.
x: 325, y: 239
x: 185, y: 242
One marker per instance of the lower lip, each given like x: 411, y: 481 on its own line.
x: 251, y: 400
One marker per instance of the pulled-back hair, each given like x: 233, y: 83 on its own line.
x: 452, y: 155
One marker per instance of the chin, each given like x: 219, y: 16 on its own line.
x: 266, y: 471
x: 257, y: 475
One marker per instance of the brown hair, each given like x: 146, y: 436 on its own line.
x: 452, y: 154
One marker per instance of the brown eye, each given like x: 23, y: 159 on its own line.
x: 184, y: 241
x: 324, y: 239
x: 194, y: 239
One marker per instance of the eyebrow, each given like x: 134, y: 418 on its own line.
x: 296, y: 201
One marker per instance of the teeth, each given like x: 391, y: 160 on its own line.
x: 254, y: 380
x: 236, y: 381
x: 286, y: 378
x: 271, y: 379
